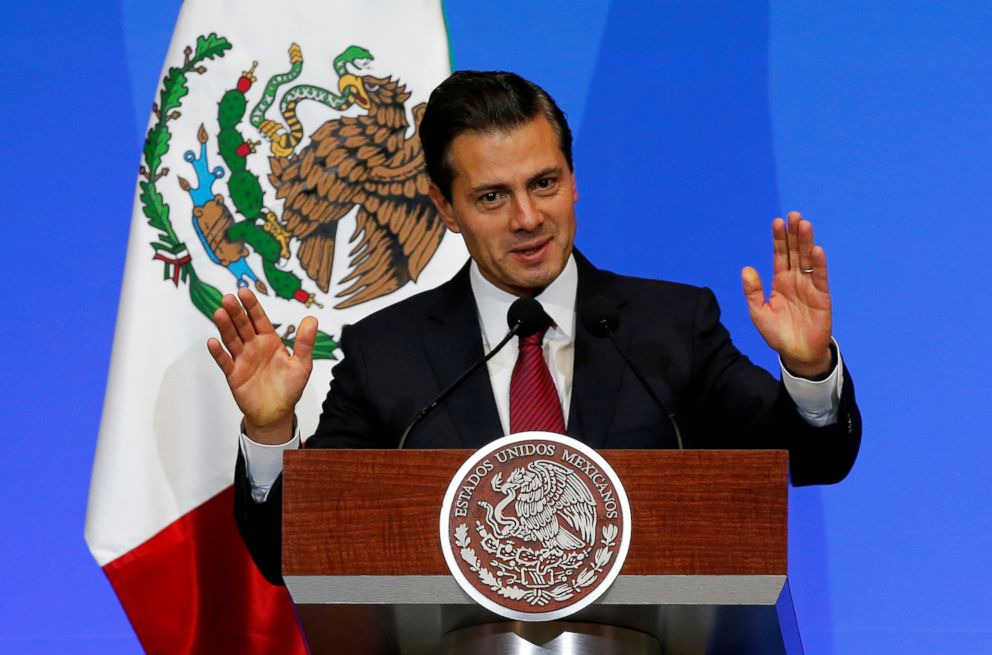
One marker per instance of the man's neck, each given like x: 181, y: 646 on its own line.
x: 557, y: 299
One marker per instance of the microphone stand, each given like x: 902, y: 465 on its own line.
x: 454, y: 385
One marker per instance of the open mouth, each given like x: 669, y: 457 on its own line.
x: 531, y: 250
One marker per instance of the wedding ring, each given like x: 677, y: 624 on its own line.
x: 806, y: 271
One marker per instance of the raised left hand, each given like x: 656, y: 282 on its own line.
x: 796, y: 320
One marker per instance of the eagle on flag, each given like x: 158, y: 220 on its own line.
x: 373, y: 162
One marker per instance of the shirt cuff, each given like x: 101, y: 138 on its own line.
x: 263, y: 463
x: 818, y: 402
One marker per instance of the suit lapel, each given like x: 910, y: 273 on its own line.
x: 598, y: 369
x: 454, y: 343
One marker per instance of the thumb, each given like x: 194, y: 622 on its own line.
x: 306, y: 336
x: 752, y: 289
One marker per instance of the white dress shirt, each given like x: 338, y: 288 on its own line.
x: 816, y: 401
x: 558, y: 301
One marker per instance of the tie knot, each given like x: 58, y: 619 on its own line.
x: 534, y: 339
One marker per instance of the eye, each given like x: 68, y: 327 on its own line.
x: 546, y: 183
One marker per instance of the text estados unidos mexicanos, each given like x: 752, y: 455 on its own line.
x: 485, y: 467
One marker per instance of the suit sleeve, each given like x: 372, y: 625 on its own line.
x: 740, y: 405
x: 260, y: 524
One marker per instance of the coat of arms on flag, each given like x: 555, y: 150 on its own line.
x: 371, y: 164
x: 282, y: 155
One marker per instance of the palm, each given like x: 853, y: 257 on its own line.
x: 796, y: 320
x: 265, y: 379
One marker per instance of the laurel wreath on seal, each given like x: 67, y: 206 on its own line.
x: 538, y: 597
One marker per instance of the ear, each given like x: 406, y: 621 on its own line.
x: 575, y: 189
x: 443, y: 208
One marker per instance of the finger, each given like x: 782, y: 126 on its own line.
x: 753, y: 291
x: 780, y: 262
x: 238, y: 318
x: 805, y: 238
x: 227, y: 332
x: 793, y: 239
x: 818, y: 260
x: 259, y: 320
x: 306, y: 337
x: 220, y: 356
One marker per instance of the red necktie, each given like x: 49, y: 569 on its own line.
x: 534, y: 403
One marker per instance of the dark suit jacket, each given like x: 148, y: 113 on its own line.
x: 398, y: 359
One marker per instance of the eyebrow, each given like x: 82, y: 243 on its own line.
x: 547, y: 172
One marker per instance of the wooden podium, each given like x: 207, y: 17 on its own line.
x: 705, y: 573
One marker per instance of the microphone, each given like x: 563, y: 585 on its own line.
x: 601, y: 317
x: 524, y: 318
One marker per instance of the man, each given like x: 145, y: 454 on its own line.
x: 498, y: 151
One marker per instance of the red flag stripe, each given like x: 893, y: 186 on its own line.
x: 192, y: 588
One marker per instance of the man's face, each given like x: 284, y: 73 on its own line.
x: 513, y: 200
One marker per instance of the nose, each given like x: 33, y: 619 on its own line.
x: 527, y: 216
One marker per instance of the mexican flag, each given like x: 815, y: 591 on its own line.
x: 281, y: 156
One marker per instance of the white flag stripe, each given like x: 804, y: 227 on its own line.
x: 168, y: 433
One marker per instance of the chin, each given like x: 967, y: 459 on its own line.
x: 536, y: 283
x: 532, y: 280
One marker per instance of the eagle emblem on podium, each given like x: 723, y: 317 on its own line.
x: 535, y: 526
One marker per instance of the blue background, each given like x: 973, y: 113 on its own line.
x: 696, y: 123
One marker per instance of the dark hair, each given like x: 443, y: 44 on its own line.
x: 483, y: 101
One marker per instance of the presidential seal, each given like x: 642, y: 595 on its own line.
x: 535, y: 526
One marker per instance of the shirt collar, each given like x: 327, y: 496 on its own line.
x: 558, y: 300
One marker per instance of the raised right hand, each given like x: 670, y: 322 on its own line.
x: 265, y: 379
